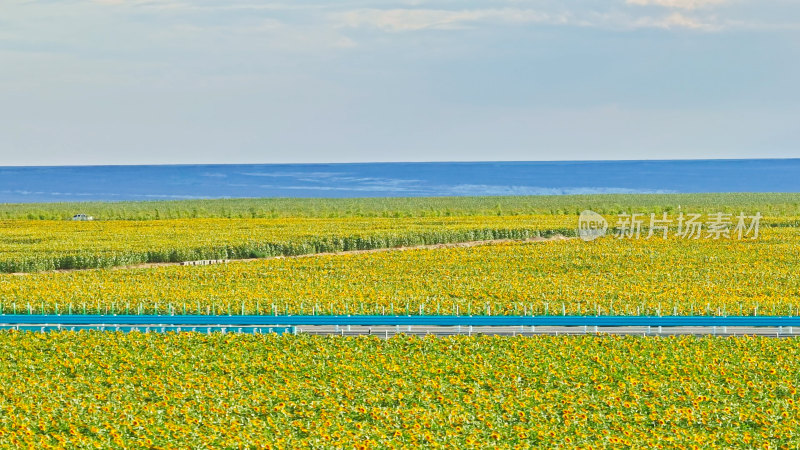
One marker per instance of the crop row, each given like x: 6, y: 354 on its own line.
x: 31, y: 245
x: 606, y: 276
x: 37, y: 245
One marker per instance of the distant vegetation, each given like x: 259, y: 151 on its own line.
x: 36, y: 237
x: 767, y: 204
x: 33, y: 245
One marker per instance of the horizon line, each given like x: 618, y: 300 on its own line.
x: 402, y: 162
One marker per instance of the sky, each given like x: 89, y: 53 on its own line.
x: 89, y: 82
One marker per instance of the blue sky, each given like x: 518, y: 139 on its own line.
x: 244, y: 81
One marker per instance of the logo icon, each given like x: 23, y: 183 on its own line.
x: 591, y: 225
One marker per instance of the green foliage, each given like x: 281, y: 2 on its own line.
x: 767, y: 204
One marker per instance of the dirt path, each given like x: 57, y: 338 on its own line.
x: 557, y: 237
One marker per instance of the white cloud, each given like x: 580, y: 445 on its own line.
x: 420, y: 19
x: 681, y: 4
x: 402, y: 20
x: 677, y: 20
x: 208, y: 6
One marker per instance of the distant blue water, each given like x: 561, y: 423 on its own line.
x: 54, y: 184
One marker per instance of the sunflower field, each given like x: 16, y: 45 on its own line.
x: 36, y: 245
x: 606, y: 276
x: 104, y: 390
x: 191, y: 390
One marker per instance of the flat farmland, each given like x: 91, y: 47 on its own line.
x: 135, y: 390
x: 607, y: 276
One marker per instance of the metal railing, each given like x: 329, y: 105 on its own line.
x: 395, y: 320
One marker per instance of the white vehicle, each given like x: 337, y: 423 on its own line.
x: 82, y: 217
